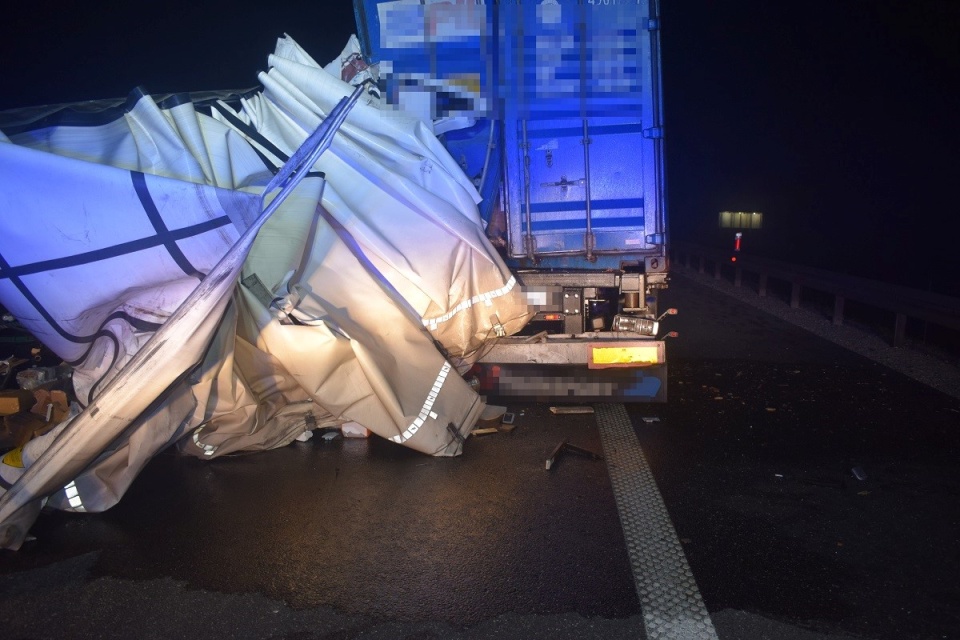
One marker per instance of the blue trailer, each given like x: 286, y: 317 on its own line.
x: 553, y: 108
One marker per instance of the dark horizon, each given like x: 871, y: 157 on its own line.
x: 836, y: 124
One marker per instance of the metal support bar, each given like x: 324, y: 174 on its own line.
x: 762, y: 287
x: 588, y: 239
x: 737, y: 277
x: 528, y: 241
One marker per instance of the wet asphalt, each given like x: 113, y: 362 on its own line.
x: 754, y: 454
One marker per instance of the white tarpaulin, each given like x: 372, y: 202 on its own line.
x: 363, y: 295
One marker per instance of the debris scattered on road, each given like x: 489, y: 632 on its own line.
x: 484, y: 431
x: 771, y: 409
x: 565, y: 446
x: 650, y: 419
x: 859, y: 473
x: 354, y: 430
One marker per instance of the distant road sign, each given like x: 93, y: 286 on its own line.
x: 741, y: 220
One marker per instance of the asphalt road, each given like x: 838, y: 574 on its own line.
x: 754, y: 455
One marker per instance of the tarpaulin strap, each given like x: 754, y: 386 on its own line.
x: 257, y: 140
x: 253, y: 135
x: 427, y: 410
x: 486, y: 298
x: 73, y: 496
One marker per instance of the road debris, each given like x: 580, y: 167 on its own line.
x: 571, y: 410
x: 565, y: 446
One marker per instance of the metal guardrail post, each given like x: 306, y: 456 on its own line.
x: 838, y: 301
x: 900, y: 330
x: 904, y: 302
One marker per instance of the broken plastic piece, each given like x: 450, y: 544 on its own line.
x: 651, y: 419
x: 859, y: 473
x: 354, y: 430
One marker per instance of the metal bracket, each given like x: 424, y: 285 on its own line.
x: 572, y: 303
x: 566, y: 446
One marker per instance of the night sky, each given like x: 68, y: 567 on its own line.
x: 836, y: 119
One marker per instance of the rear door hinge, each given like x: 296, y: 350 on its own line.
x: 654, y: 133
x: 655, y: 238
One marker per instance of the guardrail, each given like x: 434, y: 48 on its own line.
x: 904, y: 302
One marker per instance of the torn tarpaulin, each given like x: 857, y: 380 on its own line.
x: 119, y: 222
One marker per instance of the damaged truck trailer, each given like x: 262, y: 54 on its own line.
x: 468, y: 202
x: 553, y: 109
